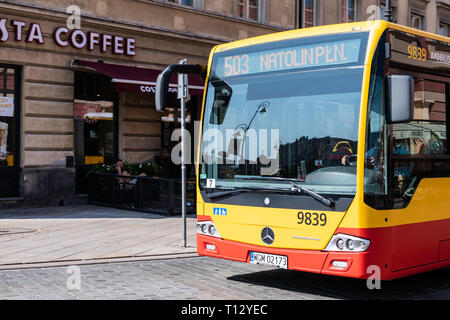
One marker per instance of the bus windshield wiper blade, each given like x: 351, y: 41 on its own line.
x: 221, y: 194
x: 326, y: 201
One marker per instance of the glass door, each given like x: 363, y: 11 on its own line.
x: 10, y: 171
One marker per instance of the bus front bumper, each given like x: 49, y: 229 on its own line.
x: 347, y: 264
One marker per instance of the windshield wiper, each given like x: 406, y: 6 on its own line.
x: 297, y: 187
x: 221, y: 194
x: 235, y: 191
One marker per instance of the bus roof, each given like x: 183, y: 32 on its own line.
x: 379, y: 25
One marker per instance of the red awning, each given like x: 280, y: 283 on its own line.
x: 139, y: 80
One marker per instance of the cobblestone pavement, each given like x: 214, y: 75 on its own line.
x: 205, y: 279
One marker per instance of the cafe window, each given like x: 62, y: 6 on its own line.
x: 94, y: 114
x: 95, y: 123
x: 9, y: 130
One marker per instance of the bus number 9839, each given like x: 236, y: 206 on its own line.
x: 312, y: 219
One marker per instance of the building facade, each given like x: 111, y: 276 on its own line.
x: 77, y: 77
x: 77, y: 82
x: 428, y: 15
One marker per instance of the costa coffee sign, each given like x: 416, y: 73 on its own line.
x: 64, y: 37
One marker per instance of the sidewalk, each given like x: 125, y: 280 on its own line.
x: 89, y: 234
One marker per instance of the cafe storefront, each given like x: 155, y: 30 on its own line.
x: 75, y: 101
x: 77, y: 83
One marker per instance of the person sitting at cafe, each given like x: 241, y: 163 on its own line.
x: 118, y: 169
x: 125, y: 183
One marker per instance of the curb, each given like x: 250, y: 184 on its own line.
x: 64, y: 263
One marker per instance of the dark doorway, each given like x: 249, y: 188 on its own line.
x: 10, y: 97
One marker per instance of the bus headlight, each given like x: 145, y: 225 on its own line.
x: 212, y: 229
x: 362, y: 245
x: 207, y: 228
x: 347, y: 243
x: 350, y: 244
x: 340, y: 244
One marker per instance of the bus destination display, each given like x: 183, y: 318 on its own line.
x: 315, y: 55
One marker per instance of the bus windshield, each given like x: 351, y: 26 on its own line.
x: 290, y: 118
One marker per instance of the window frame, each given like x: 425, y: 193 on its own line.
x: 345, y: 11
x: 446, y: 26
x: 260, y: 9
x: 195, y: 3
x: 414, y: 14
x: 314, y: 10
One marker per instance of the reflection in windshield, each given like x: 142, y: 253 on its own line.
x: 297, y: 125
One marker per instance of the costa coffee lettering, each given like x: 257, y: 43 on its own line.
x: 57, y: 35
x: 131, y: 47
x: 35, y: 34
x: 147, y: 89
x: 63, y: 37
x: 78, y: 39
x: 152, y: 89
x: 18, y: 27
x: 93, y: 40
x: 4, y: 32
x: 106, y: 42
x: 118, y: 45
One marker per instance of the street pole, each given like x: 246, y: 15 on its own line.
x: 183, y: 95
x: 388, y: 11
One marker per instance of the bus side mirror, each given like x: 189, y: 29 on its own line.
x: 399, y: 98
x: 162, y: 83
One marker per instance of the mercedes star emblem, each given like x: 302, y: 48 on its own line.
x: 267, y: 235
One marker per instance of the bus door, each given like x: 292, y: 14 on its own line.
x: 419, y: 152
x: 413, y: 157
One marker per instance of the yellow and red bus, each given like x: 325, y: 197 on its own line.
x: 325, y: 150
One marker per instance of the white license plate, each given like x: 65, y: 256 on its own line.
x: 270, y: 260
